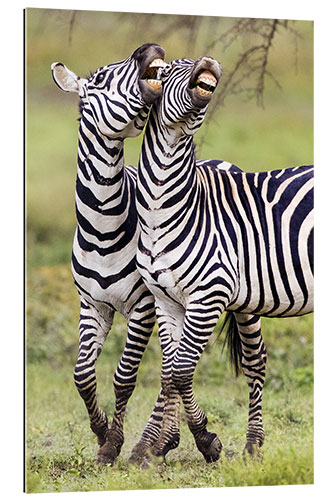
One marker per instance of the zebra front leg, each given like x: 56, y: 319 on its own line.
x: 140, y: 326
x: 169, y: 435
x: 198, y: 326
x: 161, y: 433
x: 151, y: 433
x: 93, y: 332
x: 177, y: 381
x: 253, y: 364
x: 207, y: 442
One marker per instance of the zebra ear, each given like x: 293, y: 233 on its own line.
x: 65, y: 78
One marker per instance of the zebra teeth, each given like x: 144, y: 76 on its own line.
x: 159, y: 63
x: 203, y: 92
x: 208, y: 78
x: 206, y: 83
x: 152, y: 73
x: 156, y: 84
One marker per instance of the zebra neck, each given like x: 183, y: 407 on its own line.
x: 102, y: 186
x: 164, y: 153
x: 167, y: 178
x: 100, y: 159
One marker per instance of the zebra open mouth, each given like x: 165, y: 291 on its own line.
x: 152, y: 73
x: 204, y: 78
x: 206, y: 83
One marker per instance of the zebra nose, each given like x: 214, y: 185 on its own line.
x: 209, y: 64
x: 148, y: 51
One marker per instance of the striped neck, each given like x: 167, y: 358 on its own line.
x: 167, y: 177
x: 100, y: 159
x: 102, y: 187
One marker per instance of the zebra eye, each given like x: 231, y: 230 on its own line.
x: 100, y: 77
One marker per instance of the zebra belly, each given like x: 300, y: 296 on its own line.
x: 275, y: 285
x: 268, y: 310
x: 263, y: 302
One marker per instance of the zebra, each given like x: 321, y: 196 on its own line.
x: 114, y: 104
x: 213, y: 240
x: 253, y: 367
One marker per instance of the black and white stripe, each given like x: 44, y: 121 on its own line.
x: 114, y: 105
x: 213, y: 240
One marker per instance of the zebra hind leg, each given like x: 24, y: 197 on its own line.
x: 253, y: 364
x: 93, y: 332
x: 140, y: 327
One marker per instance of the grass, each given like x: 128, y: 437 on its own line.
x: 61, y: 449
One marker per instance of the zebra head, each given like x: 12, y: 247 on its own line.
x: 187, y: 89
x: 117, y: 96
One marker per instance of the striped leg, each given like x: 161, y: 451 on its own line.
x: 197, y: 329
x: 178, y: 379
x: 253, y: 364
x: 140, y: 326
x: 161, y: 433
x: 169, y: 436
x: 93, y: 332
x: 150, y: 434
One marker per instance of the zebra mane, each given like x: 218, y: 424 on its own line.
x: 80, y: 105
x: 194, y: 151
x: 80, y: 108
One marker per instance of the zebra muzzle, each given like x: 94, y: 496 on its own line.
x: 203, y: 80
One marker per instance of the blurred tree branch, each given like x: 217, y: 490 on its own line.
x: 248, y: 74
x: 71, y: 26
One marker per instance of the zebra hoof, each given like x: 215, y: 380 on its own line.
x: 253, y: 451
x: 160, y: 451
x: 139, y: 456
x: 171, y: 444
x: 213, y: 450
x: 107, y: 454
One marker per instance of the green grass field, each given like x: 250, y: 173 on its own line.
x: 60, y: 448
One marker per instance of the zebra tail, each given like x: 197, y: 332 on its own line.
x: 232, y: 339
